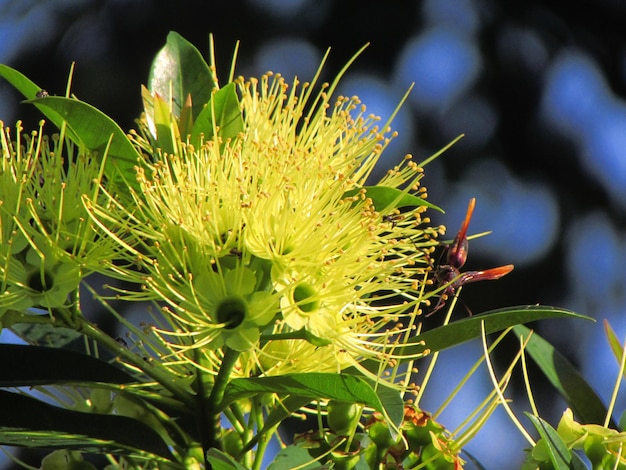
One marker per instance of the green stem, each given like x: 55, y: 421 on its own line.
x: 162, y: 376
x: 263, y: 441
x: 211, y: 437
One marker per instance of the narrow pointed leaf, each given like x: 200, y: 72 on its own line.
x: 614, y: 342
x: 166, y: 127
x: 222, y: 112
x: 24, y: 365
x: 564, y: 377
x: 387, y: 198
x: 28, y: 422
x: 470, y: 328
x: 179, y: 70
x: 94, y: 130
x: 560, y: 455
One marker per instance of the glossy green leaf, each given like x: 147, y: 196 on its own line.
x: 25, y: 365
x: 179, y: 70
x: 560, y: 455
x: 222, y: 112
x: 387, y: 198
x: 340, y: 387
x: 564, y: 377
x: 28, y: 422
x: 469, y: 328
x: 94, y: 129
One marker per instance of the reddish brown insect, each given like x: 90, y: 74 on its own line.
x: 449, y: 274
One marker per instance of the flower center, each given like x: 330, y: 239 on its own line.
x: 40, y: 283
x: 305, y: 297
x: 232, y: 312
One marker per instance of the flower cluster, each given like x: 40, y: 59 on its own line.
x: 46, y: 235
x: 270, y: 243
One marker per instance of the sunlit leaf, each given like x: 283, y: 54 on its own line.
x: 614, y: 343
x: 458, y: 332
x: 222, y: 112
x: 94, y: 129
x: 564, y: 377
x: 28, y: 422
x: 179, y: 70
x: 387, y: 198
x: 29, y: 89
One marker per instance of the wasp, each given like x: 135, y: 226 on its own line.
x: 449, y: 274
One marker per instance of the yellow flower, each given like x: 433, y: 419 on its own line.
x: 47, y: 240
x: 277, y: 225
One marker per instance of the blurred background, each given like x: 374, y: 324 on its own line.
x: 537, y: 87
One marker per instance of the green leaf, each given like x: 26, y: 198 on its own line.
x: 614, y: 343
x: 386, y: 198
x: 27, y: 422
x: 29, y: 89
x: 94, y: 129
x: 340, y: 387
x: 24, y: 365
x: 469, y: 328
x: 564, y: 377
x: 166, y: 127
x: 221, y: 461
x: 179, y: 70
x: 222, y: 112
x: 294, y: 457
x: 560, y: 455
x: 31, y: 331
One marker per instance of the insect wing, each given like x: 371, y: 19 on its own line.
x: 486, y: 275
x: 457, y: 253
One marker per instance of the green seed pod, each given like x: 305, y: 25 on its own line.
x: 343, y: 417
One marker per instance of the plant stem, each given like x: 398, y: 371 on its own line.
x: 162, y: 376
x: 211, y: 433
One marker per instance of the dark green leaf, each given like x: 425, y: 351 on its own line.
x: 386, y: 198
x: 563, y: 376
x: 560, y: 455
x: 314, y: 386
x: 28, y: 422
x: 222, y: 112
x: 221, y: 461
x: 24, y: 365
x: 469, y: 328
x: 94, y: 129
x: 179, y: 70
